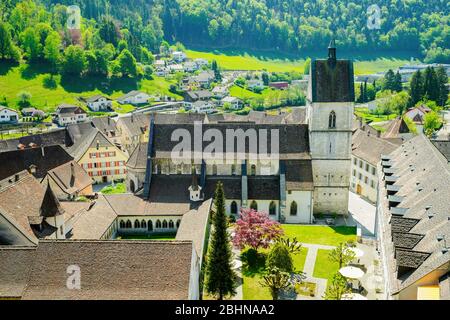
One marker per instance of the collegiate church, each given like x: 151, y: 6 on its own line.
x: 310, y: 175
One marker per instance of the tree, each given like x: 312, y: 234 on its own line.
x: 416, y: 88
x: 276, y: 280
x: 280, y: 258
x: 6, y: 45
x: 430, y: 84
x: 397, y: 82
x: 389, y: 80
x: 127, y: 63
x: 219, y: 273
x: 432, y: 122
x: 265, y: 78
x: 341, y: 255
x: 31, y: 44
x: 442, y: 78
x: 146, y: 56
x: 24, y: 99
x: 337, y: 288
x: 74, y: 60
x: 51, y: 49
x: 256, y: 230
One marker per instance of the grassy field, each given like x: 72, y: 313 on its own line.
x: 271, y: 62
x: 118, y: 188
x: 15, y: 79
x: 369, y: 117
x: 324, y: 268
x: 325, y: 235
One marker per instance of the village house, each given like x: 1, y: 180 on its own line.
x: 367, y: 148
x: 161, y: 72
x: 179, y: 56
x: 69, y: 114
x: 99, y: 103
x: 134, y: 97
x: 200, y: 62
x: 204, y: 79
x: 220, y: 91
x: 413, y: 221
x: 203, y: 106
x: 417, y: 116
x: 235, y: 103
x: 97, y: 154
x: 54, y: 137
x: 8, y: 115
x: 190, y: 66
x: 160, y: 64
x: 255, y: 84
x: 192, y: 96
x: 281, y: 85
x: 132, y: 130
x: 28, y: 112
x: 173, y: 68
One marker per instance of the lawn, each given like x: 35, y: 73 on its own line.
x: 15, y: 79
x: 370, y: 117
x: 324, y: 268
x: 239, y: 60
x: 161, y: 236
x: 251, y: 286
x: 325, y: 235
x: 116, y: 189
x: 243, y: 93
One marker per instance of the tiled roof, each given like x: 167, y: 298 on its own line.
x: 44, y: 159
x: 70, y: 178
x: 15, y: 266
x: 299, y: 175
x: 367, y: 146
x: 263, y: 187
x: 444, y: 147
x: 116, y: 269
x: 55, y: 137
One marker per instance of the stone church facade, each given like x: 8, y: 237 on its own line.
x: 311, y: 175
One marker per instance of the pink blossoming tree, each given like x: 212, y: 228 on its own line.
x: 256, y: 230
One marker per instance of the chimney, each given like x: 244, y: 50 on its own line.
x: 72, y: 174
x: 109, y: 121
x: 98, y: 144
x: 132, y: 119
x: 378, y: 134
x: 42, y: 151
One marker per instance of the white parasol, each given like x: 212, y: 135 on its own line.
x: 358, y: 252
x: 351, y: 272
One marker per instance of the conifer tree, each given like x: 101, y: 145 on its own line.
x: 431, y: 87
x: 442, y: 88
x: 219, y: 273
x: 416, y: 88
x: 398, y: 82
x: 389, y: 80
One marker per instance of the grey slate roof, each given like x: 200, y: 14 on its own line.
x: 299, y: 175
x: 424, y: 185
x: 444, y: 147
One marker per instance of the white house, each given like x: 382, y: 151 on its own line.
x: 203, y: 107
x: 99, y: 103
x: 134, y: 97
x: 235, y: 103
x: 255, y: 83
x: 200, y: 62
x: 190, y: 66
x: 220, y: 91
x: 69, y: 114
x: 8, y: 115
x: 179, y: 56
x: 161, y: 71
x: 176, y: 68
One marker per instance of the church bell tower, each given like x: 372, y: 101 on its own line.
x: 330, y: 104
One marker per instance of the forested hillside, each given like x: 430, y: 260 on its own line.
x: 420, y: 27
x: 296, y: 26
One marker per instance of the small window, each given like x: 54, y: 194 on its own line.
x: 253, y: 170
x: 137, y: 225
x: 254, y: 205
x: 272, y: 208
x: 164, y: 224
x: 293, y: 210
x: 143, y: 224
x: 214, y: 169
x: 158, y: 224
x: 233, y: 207
x: 128, y: 225
x: 373, y: 170
x: 171, y: 224
x: 122, y: 224
x: 332, y: 120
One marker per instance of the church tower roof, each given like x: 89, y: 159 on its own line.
x: 332, y: 79
x: 50, y: 206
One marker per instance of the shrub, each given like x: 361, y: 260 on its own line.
x: 280, y: 257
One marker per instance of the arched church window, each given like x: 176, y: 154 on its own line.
x: 171, y: 224
x: 143, y: 224
x: 150, y: 225
x: 293, y: 208
x: 137, y: 225
x: 332, y: 120
x: 233, y: 169
x: 128, y: 225
x: 122, y: 224
x: 233, y: 207
x: 178, y: 223
x: 254, y: 205
x: 158, y: 224
x: 164, y: 224
x: 272, y: 208
x: 214, y: 170
x: 253, y: 170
